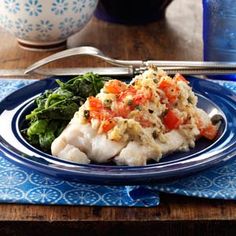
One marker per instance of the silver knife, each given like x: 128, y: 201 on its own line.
x: 129, y: 67
x: 106, y: 71
x: 112, y: 71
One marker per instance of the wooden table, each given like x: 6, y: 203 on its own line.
x: 178, y: 37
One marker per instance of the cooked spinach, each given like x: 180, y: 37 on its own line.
x: 55, y: 108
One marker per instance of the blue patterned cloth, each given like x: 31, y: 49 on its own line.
x: 26, y: 186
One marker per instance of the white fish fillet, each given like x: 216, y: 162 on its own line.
x: 64, y: 150
x: 174, y: 142
x: 135, y: 154
x: 82, y: 140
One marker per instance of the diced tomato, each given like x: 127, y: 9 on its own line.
x: 172, y: 94
x: 138, y: 100
x: 103, y: 114
x: 122, y: 110
x: 95, y: 115
x: 170, y: 89
x: 199, y: 123
x: 165, y: 84
x: 129, y: 91
x: 171, y: 120
x: 114, y: 86
x: 179, y: 77
x: 141, y: 98
x: 107, y: 125
x: 95, y: 104
x: 144, y: 122
x: 209, y: 132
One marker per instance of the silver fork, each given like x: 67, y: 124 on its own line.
x: 138, y: 66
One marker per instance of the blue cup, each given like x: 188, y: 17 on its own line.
x: 219, y: 32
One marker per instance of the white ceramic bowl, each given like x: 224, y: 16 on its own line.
x: 44, y: 24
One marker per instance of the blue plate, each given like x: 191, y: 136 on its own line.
x: 206, y: 154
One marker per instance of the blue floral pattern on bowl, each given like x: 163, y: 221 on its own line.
x: 33, y: 7
x: 45, y: 22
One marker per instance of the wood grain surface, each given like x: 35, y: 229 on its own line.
x: 177, y: 37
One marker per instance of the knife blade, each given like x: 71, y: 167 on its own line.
x: 106, y: 71
x: 113, y: 71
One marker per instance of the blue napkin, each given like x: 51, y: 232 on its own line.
x: 26, y: 186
